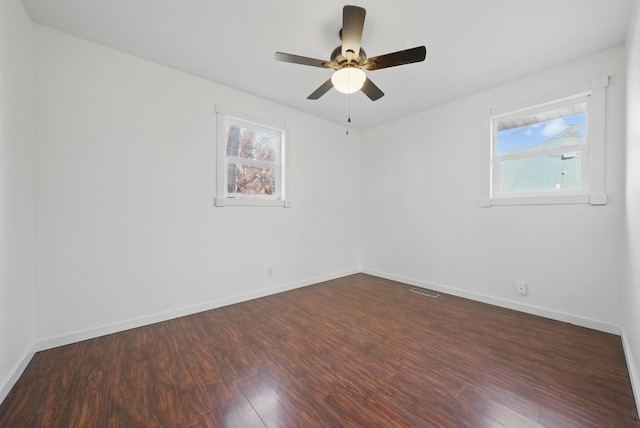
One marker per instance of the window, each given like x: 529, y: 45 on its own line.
x: 250, y: 162
x: 542, y: 152
x: 551, y: 151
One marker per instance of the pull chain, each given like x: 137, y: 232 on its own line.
x: 348, y: 111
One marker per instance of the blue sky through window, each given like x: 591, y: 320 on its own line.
x: 523, y: 138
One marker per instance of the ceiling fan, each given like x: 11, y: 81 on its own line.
x: 349, y: 59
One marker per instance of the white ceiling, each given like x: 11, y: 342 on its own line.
x: 471, y: 45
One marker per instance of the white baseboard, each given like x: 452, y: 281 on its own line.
x: 634, y: 376
x: 533, y: 310
x: 91, y: 333
x: 15, y: 373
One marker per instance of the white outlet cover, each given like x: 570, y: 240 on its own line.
x: 521, y: 288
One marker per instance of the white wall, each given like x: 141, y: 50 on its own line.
x: 422, y: 222
x: 631, y: 292
x: 16, y: 193
x: 127, y: 232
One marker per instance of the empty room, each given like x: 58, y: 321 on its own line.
x: 238, y: 213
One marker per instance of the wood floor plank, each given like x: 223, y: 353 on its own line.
x: 503, y: 397
x: 297, y: 396
x: 355, y: 411
x: 164, y: 404
x: 91, y: 392
x: 198, y: 407
x: 551, y: 391
x: 273, y: 411
x: 234, y: 407
x: 354, y: 351
x: 18, y: 409
x: 500, y: 413
x: 127, y: 403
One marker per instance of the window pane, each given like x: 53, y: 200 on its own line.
x: 541, y: 174
x: 251, y: 180
x: 554, y: 128
x: 250, y: 143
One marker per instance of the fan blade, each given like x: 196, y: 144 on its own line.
x: 406, y: 56
x: 321, y: 90
x: 371, y: 90
x: 297, y: 59
x: 352, y: 26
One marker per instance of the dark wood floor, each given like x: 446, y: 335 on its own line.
x: 357, y: 351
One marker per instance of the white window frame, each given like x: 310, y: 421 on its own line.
x: 223, y: 197
x: 593, y: 150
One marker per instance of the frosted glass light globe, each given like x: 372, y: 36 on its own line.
x: 348, y: 80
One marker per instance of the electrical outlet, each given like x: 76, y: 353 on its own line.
x: 521, y: 288
x: 269, y: 272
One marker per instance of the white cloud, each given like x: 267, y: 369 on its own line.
x: 553, y: 127
x: 531, y: 129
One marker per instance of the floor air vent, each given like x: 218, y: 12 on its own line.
x: 425, y: 292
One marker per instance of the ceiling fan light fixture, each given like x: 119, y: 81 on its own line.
x: 348, y: 80
x: 349, y: 59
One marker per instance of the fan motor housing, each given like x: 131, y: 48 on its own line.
x: 341, y: 61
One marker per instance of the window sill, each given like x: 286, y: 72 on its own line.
x: 546, y: 200
x: 222, y: 202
